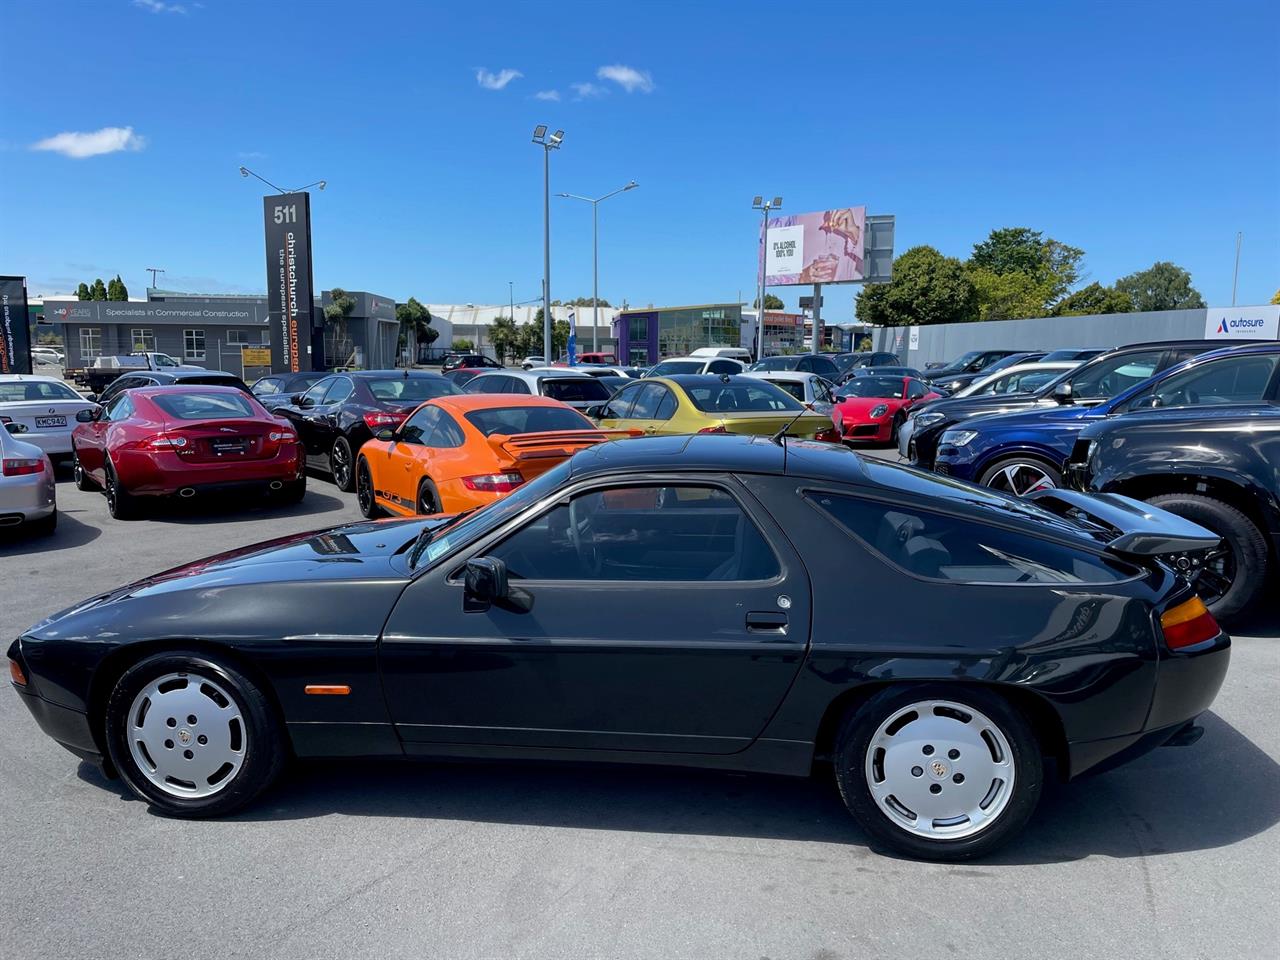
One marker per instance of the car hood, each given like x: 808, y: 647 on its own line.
x: 961, y: 408
x: 1041, y: 417
x: 862, y: 406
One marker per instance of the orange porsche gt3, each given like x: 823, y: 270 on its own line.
x: 462, y: 451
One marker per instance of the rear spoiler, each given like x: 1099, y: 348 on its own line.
x: 1133, y: 527
x: 552, y: 443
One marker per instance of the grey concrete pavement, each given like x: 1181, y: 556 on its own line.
x: 1174, y: 856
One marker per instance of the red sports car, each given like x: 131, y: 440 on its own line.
x: 871, y: 409
x: 157, y: 441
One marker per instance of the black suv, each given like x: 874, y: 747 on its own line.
x: 1090, y: 383
x: 468, y: 361
x: 1216, y: 466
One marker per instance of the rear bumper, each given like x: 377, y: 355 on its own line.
x: 163, y: 474
x: 28, y: 497
x: 54, y: 443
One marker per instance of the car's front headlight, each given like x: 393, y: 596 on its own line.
x: 959, y: 438
x: 879, y: 410
x: 925, y: 420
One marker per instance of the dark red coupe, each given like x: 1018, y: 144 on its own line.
x: 871, y: 409
x: 183, y: 440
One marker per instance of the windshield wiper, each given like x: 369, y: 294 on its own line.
x: 427, y: 534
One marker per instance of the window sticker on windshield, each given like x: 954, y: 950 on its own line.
x: 437, y: 549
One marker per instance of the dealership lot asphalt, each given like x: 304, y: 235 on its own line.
x: 1176, y: 855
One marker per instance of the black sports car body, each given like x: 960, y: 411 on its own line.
x: 674, y: 600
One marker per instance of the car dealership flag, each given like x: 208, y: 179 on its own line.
x: 573, y: 339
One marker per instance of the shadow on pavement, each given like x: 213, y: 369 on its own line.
x: 71, y: 533
x: 1216, y: 793
x: 225, y: 508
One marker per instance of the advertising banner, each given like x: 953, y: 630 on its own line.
x: 1242, y: 323
x: 15, y: 335
x: 823, y: 247
x: 573, y: 339
x: 287, y: 219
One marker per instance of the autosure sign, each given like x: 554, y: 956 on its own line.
x: 15, y: 335
x: 287, y: 218
x: 1242, y: 323
x: 822, y: 247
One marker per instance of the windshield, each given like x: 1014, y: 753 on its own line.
x: 792, y: 387
x: 18, y: 390
x: 1028, y: 381
x: 667, y: 367
x: 847, y: 360
x: 442, y: 539
x: 205, y: 406
x: 762, y: 397
x: 516, y: 420
x: 411, y: 389
x: 164, y: 360
x: 776, y: 363
x: 575, y: 390
x: 957, y: 365
x: 886, y: 387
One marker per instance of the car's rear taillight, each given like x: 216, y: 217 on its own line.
x: 21, y: 467
x: 718, y: 428
x: 376, y: 421
x: 830, y: 435
x: 166, y: 442
x: 493, y: 482
x: 1187, y: 624
x: 282, y: 436
x: 16, y: 674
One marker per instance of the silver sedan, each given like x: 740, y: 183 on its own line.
x: 27, y: 493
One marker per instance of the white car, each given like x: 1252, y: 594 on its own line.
x: 28, y: 495
x: 677, y: 365
x: 734, y: 353
x: 1020, y: 378
x: 45, y: 407
x: 47, y: 356
x: 565, y: 384
x: 529, y: 363
x: 815, y: 392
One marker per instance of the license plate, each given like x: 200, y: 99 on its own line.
x: 221, y: 447
x: 51, y: 422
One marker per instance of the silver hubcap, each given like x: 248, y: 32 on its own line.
x: 940, y: 770
x: 186, y: 735
x: 1021, y: 479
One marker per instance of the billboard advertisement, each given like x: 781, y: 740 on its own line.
x: 1247, y: 323
x: 287, y: 219
x: 823, y: 247
x: 15, y: 335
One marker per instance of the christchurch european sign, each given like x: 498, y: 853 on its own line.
x: 287, y: 219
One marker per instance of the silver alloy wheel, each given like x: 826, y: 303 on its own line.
x: 186, y: 735
x: 940, y: 770
x: 1022, y: 478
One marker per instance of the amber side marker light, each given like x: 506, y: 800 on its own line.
x: 327, y: 689
x: 16, y: 674
x: 1187, y: 624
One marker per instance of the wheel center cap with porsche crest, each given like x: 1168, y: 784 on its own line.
x: 184, y: 736
x: 938, y: 769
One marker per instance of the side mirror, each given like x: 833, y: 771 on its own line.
x: 1062, y: 393
x: 297, y: 399
x: 87, y: 416
x: 485, y: 584
x: 595, y: 411
x: 386, y: 435
x: 16, y: 428
x: 91, y: 397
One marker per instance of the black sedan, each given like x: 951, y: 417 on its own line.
x: 468, y: 361
x: 162, y: 378
x: 277, y: 389
x: 340, y: 413
x: 671, y: 600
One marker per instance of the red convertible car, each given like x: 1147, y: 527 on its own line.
x: 871, y: 409
x: 158, y: 441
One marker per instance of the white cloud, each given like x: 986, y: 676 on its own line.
x: 159, y: 6
x: 80, y: 145
x: 588, y: 91
x: 628, y: 78
x: 496, y: 81
x: 547, y: 95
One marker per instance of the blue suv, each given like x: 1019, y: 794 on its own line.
x: 1023, y: 452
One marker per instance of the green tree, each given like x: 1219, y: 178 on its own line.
x: 559, y: 338
x: 98, y: 291
x: 1276, y: 298
x: 1051, y: 266
x: 770, y: 303
x: 926, y: 288
x: 1162, y: 286
x: 1095, y: 298
x: 462, y: 344
x: 1008, y: 296
x: 503, y: 334
x: 83, y: 292
x: 415, y: 319
x: 116, y: 290
x: 337, y: 312
x: 586, y: 302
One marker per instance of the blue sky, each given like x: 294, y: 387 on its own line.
x: 1137, y: 131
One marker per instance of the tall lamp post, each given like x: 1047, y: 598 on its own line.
x: 595, y: 256
x: 548, y: 143
x: 764, y: 206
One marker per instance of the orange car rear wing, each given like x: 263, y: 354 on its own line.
x: 552, y: 443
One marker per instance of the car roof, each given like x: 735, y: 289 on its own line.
x: 29, y: 378
x: 179, y: 375
x: 167, y: 388
x: 540, y: 373
x: 389, y: 374
x: 789, y: 376
x: 466, y: 402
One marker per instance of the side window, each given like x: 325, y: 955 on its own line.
x: 1105, y: 379
x: 647, y: 401
x: 619, y: 408
x: 805, y: 364
x: 516, y: 385
x: 447, y: 433
x: 722, y: 366
x: 655, y: 533
x: 940, y: 547
x: 667, y: 407
x: 821, y: 390
x: 120, y: 408
x: 1229, y: 380
x: 915, y: 390
x: 266, y: 387
x: 483, y: 384
x: 419, y: 426
x: 341, y: 389
x: 316, y: 394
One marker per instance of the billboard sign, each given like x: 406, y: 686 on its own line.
x: 823, y: 247
x: 287, y: 219
x: 1242, y: 323
x: 15, y: 334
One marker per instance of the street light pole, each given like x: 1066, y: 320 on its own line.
x: 595, y: 256
x: 1236, y: 273
x: 764, y: 206
x: 548, y: 143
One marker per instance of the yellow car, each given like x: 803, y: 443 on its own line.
x: 710, y: 403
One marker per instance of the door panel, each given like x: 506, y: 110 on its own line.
x: 655, y: 626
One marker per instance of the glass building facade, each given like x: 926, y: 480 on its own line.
x: 654, y: 334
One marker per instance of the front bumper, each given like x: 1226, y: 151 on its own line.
x: 953, y: 461
x: 68, y: 727
x: 877, y: 431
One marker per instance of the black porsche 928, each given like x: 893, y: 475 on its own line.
x: 710, y: 601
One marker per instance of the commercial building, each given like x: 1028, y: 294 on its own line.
x: 474, y: 322
x: 213, y: 331
x: 648, y: 335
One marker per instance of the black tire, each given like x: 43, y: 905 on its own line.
x: 1244, y: 569
x: 342, y: 465
x: 293, y: 490
x: 898, y: 421
x: 428, y: 499
x: 262, y: 745
x: 45, y: 526
x: 369, y: 508
x: 851, y: 755
x: 1024, y: 469
x: 79, y: 474
x: 121, y: 504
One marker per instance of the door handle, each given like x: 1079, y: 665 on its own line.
x: 766, y: 622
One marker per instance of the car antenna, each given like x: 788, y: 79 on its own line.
x: 781, y: 434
